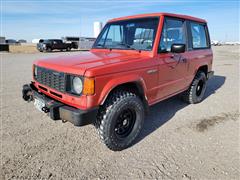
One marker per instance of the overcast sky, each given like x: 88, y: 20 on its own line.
x: 29, y: 19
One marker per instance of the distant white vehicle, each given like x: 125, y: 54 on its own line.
x: 215, y: 43
x: 232, y: 43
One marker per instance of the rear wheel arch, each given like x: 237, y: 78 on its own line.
x: 196, y: 91
x: 203, y: 68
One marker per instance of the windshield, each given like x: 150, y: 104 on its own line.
x: 46, y: 41
x: 138, y: 34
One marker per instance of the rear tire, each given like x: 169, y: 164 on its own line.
x: 120, y: 120
x: 48, y: 49
x: 196, y: 91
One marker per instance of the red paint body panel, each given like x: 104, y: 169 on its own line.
x: 111, y: 68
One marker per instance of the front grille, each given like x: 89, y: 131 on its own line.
x: 51, y: 78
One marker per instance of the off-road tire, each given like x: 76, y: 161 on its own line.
x: 108, y: 117
x: 48, y: 49
x: 193, y: 95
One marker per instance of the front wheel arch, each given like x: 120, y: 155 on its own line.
x: 107, y: 121
x: 135, y: 87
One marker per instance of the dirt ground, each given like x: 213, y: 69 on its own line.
x: 179, y: 141
x: 29, y: 48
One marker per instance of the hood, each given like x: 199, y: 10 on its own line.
x: 78, y: 64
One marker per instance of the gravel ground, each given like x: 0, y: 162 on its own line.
x: 179, y: 141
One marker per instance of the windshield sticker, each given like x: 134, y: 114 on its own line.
x: 130, y: 25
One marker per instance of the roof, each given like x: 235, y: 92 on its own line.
x: 157, y: 15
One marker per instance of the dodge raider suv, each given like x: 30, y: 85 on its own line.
x: 135, y: 62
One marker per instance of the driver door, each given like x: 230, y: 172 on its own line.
x: 172, y: 67
x: 54, y: 44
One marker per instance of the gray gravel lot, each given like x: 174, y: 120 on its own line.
x: 179, y: 141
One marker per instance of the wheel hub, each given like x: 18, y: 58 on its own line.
x: 125, y: 123
x: 199, y: 88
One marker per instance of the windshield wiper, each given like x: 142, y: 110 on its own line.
x: 127, y: 45
x: 122, y: 44
x: 103, y: 46
x: 100, y: 45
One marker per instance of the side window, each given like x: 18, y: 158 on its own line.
x: 199, y: 39
x: 173, y: 32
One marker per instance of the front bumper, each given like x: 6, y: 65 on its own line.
x: 59, y: 111
x: 40, y: 48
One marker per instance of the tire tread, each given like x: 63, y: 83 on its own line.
x: 107, y: 110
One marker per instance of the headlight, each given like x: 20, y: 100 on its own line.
x: 77, y: 85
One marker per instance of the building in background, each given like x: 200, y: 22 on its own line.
x: 86, y: 43
x: 97, y: 27
x: 2, y: 40
x: 3, y: 45
x: 83, y: 43
x: 35, y: 41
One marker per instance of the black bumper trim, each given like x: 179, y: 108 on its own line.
x: 76, y: 116
x: 60, y: 111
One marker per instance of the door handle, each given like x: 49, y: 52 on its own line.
x: 178, y: 58
x: 151, y: 71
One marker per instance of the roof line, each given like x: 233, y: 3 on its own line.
x: 158, y: 14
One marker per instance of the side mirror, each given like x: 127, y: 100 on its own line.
x: 178, y: 48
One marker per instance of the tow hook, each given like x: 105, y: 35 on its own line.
x: 27, y: 93
x: 45, y: 109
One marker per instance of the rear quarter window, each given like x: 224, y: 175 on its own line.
x: 199, y: 35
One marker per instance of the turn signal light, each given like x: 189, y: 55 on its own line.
x: 89, y: 86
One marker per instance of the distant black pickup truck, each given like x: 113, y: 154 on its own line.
x: 47, y: 45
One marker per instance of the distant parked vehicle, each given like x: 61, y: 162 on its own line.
x: 215, y: 43
x: 11, y: 41
x: 232, y: 43
x: 47, y: 45
x: 22, y: 41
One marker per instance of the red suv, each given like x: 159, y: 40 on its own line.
x: 135, y: 62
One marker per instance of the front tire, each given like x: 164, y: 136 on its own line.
x: 120, y: 120
x: 196, y: 91
x: 48, y: 49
